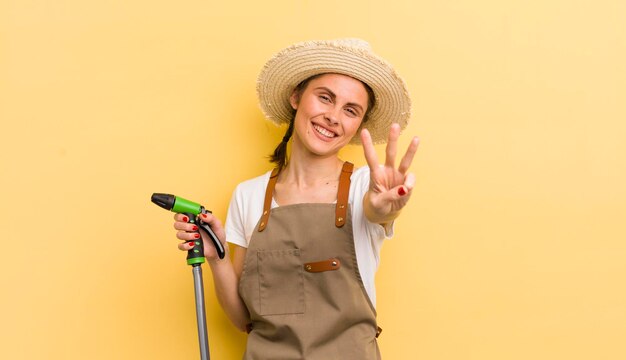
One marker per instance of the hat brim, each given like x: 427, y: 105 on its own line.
x: 291, y: 66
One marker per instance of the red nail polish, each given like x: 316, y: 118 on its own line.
x: 185, y: 219
x: 191, y: 243
x: 194, y: 228
x: 401, y: 191
x: 197, y: 236
x: 203, y: 216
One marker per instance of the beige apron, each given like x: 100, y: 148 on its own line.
x: 302, y: 285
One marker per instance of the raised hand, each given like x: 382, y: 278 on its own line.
x: 390, y: 187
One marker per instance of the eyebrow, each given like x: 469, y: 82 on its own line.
x: 334, y: 96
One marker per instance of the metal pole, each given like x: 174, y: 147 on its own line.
x: 200, y: 312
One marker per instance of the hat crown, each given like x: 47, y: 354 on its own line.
x: 354, y: 43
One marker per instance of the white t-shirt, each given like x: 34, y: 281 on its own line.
x: 246, y: 207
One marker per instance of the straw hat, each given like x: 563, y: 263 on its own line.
x: 352, y: 57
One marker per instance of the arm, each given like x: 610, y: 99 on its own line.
x: 390, y: 188
x: 226, y: 274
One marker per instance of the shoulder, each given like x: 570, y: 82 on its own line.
x: 249, y: 193
x: 256, y: 185
x: 361, y: 171
x: 245, y: 209
x: 361, y: 175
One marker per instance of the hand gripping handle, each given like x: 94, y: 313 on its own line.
x: 219, y: 247
x: 195, y: 255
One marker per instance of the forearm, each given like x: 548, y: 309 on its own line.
x: 226, y: 285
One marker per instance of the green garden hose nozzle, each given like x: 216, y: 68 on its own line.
x: 192, y: 210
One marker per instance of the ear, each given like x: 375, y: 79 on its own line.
x: 294, y: 99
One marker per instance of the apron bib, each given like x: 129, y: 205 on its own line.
x: 302, y: 286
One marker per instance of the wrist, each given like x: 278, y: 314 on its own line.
x: 218, y: 263
x: 216, y: 260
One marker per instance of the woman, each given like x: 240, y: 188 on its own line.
x: 307, y: 235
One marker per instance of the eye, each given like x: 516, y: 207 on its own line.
x: 352, y: 112
x: 324, y: 98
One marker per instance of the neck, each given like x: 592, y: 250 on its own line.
x: 306, y: 169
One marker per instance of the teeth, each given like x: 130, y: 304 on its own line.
x: 323, y: 131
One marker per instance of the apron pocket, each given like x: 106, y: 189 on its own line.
x: 281, y: 282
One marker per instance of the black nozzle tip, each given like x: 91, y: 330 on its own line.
x: 166, y: 201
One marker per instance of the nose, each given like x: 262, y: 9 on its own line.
x: 332, y: 115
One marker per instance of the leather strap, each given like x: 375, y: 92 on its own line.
x: 268, y: 200
x: 321, y: 266
x: 342, y: 194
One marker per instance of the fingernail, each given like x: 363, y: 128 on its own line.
x: 194, y: 228
x: 197, y: 236
x: 191, y: 243
x: 203, y: 216
x: 185, y: 219
x: 401, y: 191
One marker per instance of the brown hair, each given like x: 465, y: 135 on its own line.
x: 279, y: 156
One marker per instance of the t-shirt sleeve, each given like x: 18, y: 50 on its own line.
x: 360, y: 186
x: 244, y: 211
x: 235, y: 229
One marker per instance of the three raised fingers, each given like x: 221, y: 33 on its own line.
x: 391, y: 150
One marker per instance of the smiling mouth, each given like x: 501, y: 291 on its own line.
x: 324, y: 132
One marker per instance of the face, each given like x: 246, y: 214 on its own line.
x: 329, y: 112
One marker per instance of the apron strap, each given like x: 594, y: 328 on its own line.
x: 268, y: 200
x: 342, y: 194
x: 341, y: 207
